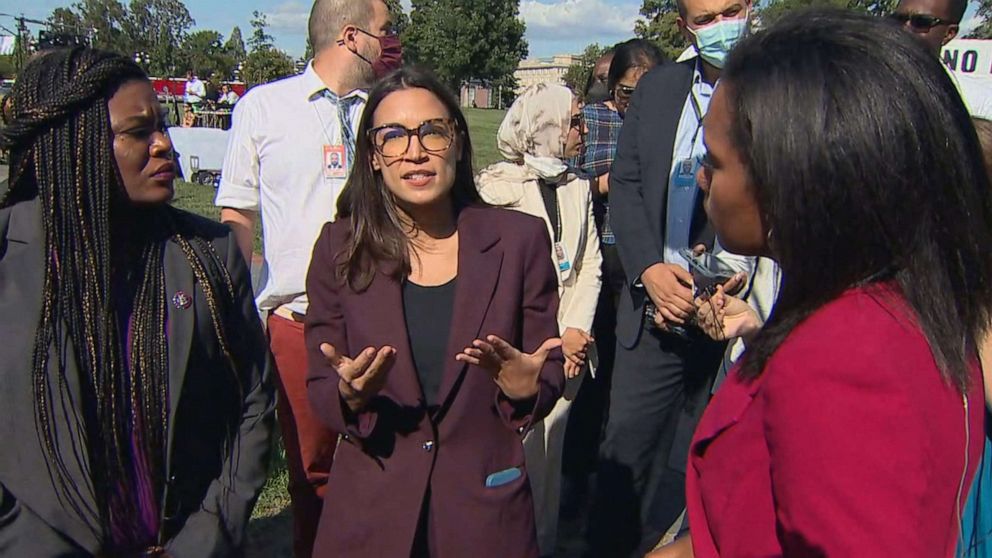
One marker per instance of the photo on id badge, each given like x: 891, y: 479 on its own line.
x: 335, y: 162
x: 685, y: 172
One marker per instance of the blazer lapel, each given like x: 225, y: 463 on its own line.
x: 479, y: 260
x: 181, y: 296
x: 725, y: 410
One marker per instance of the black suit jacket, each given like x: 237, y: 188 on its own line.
x: 210, y: 494
x: 639, y: 185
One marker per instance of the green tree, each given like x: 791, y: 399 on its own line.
x: 658, y: 25
x: 67, y: 21
x: 235, y: 46
x: 160, y: 28
x: 578, y: 73
x: 772, y: 12
x: 104, y: 19
x: 466, y: 39
x: 204, y: 53
x: 7, y: 66
x: 260, y: 38
x: 400, y: 19
x: 984, y: 13
x: 266, y: 64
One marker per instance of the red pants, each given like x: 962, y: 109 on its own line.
x: 309, y: 444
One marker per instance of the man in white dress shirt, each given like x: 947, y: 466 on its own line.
x: 275, y: 170
x: 195, y: 89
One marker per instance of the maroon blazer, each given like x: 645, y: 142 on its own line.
x: 849, y: 444
x: 389, y: 456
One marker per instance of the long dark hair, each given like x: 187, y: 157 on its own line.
x: 866, y: 168
x: 60, y: 141
x: 633, y: 54
x: 378, y: 239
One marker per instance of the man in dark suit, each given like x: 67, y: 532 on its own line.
x: 664, y: 366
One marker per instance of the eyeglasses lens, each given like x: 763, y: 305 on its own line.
x: 394, y: 141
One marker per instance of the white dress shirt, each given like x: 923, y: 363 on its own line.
x: 688, y: 145
x: 195, y: 90
x: 275, y: 165
x: 682, y: 197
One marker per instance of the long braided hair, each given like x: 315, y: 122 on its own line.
x: 58, y: 133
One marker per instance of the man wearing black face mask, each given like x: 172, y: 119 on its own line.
x: 282, y: 136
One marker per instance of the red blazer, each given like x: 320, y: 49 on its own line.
x: 850, y: 444
x: 387, y: 460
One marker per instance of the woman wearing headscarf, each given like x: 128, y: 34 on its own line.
x: 542, y: 129
x: 137, y: 403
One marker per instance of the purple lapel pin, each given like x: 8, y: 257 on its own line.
x: 181, y: 300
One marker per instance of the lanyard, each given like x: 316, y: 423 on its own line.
x: 699, y: 117
x: 342, y: 106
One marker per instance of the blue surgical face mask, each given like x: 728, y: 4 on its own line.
x: 715, y: 41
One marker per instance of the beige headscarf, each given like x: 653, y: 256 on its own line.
x: 534, y: 129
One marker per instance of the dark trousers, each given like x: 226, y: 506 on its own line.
x: 587, y: 417
x: 658, y: 392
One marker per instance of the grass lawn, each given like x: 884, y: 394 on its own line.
x: 270, y: 521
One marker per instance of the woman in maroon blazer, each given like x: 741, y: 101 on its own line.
x: 432, y: 341
x: 840, y: 147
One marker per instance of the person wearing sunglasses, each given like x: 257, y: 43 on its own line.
x: 631, y: 60
x: 664, y: 368
x: 432, y: 342
x: 935, y: 22
x: 542, y: 129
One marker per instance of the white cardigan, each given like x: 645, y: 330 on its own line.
x: 509, y: 184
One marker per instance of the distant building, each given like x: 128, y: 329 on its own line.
x: 543, y: 70
x: 476, y: 94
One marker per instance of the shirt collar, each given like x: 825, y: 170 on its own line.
x: 698, y: 85
x: 314, y: 87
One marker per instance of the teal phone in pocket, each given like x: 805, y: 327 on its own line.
x: 505, y: 476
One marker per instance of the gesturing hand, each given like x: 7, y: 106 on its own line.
x: 362, y: 377
x: 723, y: 316
x: 670, y: 289
x: 515, y: 372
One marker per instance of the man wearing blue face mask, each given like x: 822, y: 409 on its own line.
x: 664, y: 365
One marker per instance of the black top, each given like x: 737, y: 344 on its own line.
x: 428, y: 323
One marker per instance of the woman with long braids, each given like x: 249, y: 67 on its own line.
x: 136, y: 399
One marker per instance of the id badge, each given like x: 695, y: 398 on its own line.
x: 685, y: 173
x: 335, y: 161
x: 563, y: 263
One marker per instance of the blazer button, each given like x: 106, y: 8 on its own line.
x: 428, y: 445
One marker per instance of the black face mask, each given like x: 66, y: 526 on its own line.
x: 597, y: 93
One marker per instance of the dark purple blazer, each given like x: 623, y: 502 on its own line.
x: 393, y: 453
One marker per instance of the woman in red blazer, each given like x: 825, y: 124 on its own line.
x: 840, y: 147
x: 432, y: 341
